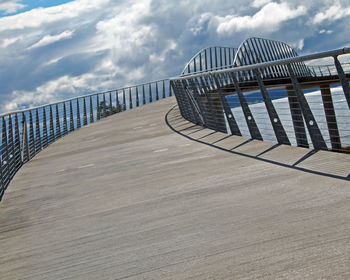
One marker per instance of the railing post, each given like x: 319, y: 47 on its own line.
x: 124, y: 100
x: 5, y: 155
x: 117, y: 101
x: 150, y: 92
x: 253, y: 128
x: 343, y: 80
x: 58, y: 123
x: 137, y: 97
x: 330, y: 117
x: 91, y: 111
x: 71, y: 119
x: 143, y: 95
x: 314, y: 131
x: 130, y: 98
x: 18, y: 148
x: 31, y: 137
x: 104, y: 106
x: 210, y: 104
x: 157, y: 93
x: 11, y: 149
x: 37, y: 132
x: 84, y: 113
x: 45, y: 134
x: 111, y: 111
x: 227, y: 110
x: 52, y: 132
x: 275, y: 120
x: 65, y: 128
x: 297, y: 118
x: 25, y: 146
x: 163, y: 94
x: 98, y: 116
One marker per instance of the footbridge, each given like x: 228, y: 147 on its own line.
x: 236, y: 169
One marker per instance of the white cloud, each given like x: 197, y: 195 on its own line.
x: 116, y: 43
x: 11, y: 6
x: 331, y: 14
x: 40, y: 16
x: 46, y: 40
x: 324, y: 31
x: 259, y: 3
x: 267, y: 19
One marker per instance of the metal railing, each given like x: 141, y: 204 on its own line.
x: 306, y: 111
x: 26, y: 132
x: 210, y: 59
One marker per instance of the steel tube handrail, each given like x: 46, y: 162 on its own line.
x: 313, y: 56
x: 78, y: 97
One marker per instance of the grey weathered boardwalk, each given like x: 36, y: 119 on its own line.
x: 127, y: 198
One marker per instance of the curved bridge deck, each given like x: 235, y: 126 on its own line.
x: 127, y: 198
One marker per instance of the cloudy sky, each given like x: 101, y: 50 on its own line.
x: 55, y: 49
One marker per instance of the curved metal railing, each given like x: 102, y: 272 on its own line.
x: 26, y: 132
x: 210, y: 59
x: 310, y: 110
x: 258, y: 50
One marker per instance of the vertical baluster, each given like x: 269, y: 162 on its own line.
x: 130, y: 98
x: 111, y: 110
x: 124, y: 100
x: 117, y: 100
x: 157, y: 93
x: 221, y: 63
x: 11, y: 149
x: 98, y: 116
x: 71, y: 119
x: 4, y: 155
x: 200, y: 62
x: 137, y: 97
x: 143, y: 95
x: 37, y: 132
x: 18, y: 149
x: 91, y: 111
x: 52, y: 131
x: 216, y: 58
x: 85, y: 121
x: 45, y: 134
x: 163, y: 94
x: 205, y: 61
x: 25, y: 144
x: 105, y: 111
x: 150, y: 92
x: 78, y: 115
x: 58, y: 123
x: 65, y: 127
x: 194, y: 65
x: 31, y: 136
x: 211, y: 58
x: 229, y: 57
x: 170, y: 89
x: 225, y: 57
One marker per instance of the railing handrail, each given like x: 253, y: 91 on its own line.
x: 78, y: 97
x: 336, y: 52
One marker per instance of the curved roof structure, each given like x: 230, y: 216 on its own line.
x: 251, y: 51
